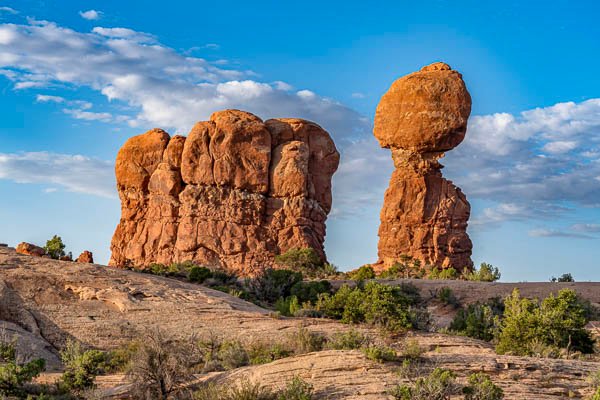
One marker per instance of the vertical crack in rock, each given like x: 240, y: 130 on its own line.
x: 424, y: 216
x: 233, y: 194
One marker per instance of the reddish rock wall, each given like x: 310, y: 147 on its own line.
x: 235, y: 193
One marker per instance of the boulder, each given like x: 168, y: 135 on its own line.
x: 30, y: 249
x: 233, y: 194
x: 424, y: 216
x: 85, y: 257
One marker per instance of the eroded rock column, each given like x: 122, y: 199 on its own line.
x: 424, y: 215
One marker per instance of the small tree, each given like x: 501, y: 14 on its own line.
x: 81, y: 366
x: 159, y: 367
x: 306, y: 261
x: 14, y: 375
x: 55, y: 247
x: 485, y: 273
x: 363, y: 273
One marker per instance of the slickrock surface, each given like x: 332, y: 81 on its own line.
x: 43, y: 302
x: 424, y: 215
x: 235, y: 193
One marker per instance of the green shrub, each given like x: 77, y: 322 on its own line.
x: 117, y: 360
x: 310, y: 291
x: 199, y: 274
x: 306, y: 261
x: 14, y: 375
x: 446, y: 296
x: 81, y: 366
x: 296, y: 389
x: 55, y: 247
x: 412, y: 350
x: 287, y: 306
x: 273, y: 284
x: 349, y: 340
x: 375, y: 304
x: 532, y: 328
x: 244, y: 390
x: 442, y: 273
x: 396, y: 271
x: 232, y: 355
x: 477, y: 321
x: 563, y: 278
x: 362, y: 274
x: 481, y: 387
x: 439, y: 385
x: 261, y: 353
x: 156, y: 269
x: 486, y: 273
x: 380, y: 353
x: 305, y: 341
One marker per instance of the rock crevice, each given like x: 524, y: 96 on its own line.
x: 233, y: 194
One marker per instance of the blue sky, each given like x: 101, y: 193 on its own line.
x: 80, y: 77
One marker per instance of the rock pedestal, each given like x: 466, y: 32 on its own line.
x: 233, y: 194
x: 424, y: 215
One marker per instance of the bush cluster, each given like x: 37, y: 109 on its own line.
x: 295, y: 389
x: 531, y: 328
x: 308, y: 262
x: 485, y: 273
x: 373, y: 303
x: 15, y: 375
x: 479, y: 320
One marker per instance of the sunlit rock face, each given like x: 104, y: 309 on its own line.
x: 232, y: 194
x: 424, y: 216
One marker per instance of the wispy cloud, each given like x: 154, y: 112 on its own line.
x: 558, y: 233
x: 74, y: 173
x: 91, y: 15
x: 8, y: 10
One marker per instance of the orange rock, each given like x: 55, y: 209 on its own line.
x: 233, y: 194
x: 424, y: 215
x: 85, y: 257
x: 30, y: 249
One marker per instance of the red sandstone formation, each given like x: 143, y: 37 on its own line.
x: 30, y: 249
x: 85, y: 257
x: 425, y: 216
x: 233, y: 194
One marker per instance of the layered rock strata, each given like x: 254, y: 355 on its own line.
x: 233, y: 194
x: 424, y: 215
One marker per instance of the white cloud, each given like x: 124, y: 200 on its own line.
x: 165, y: 88
x: 357, y: 95
x: 8, y: 10
x: 560, y: 146
x: 45, y: 98
x: 74, y: 173
x: 542, y: 232
x: 88, y: 115
x: 91, y: 14
x: 587, y: 228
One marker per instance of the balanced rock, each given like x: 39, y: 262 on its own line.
x: 85, y: 257
x: 233, y: 194
x: 424, y: 215
x: 30, y: 249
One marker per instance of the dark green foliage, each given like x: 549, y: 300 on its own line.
x: 273, y: 284
x: 81, y: 367
x: 380, y: 353
x: 481, y: 387
x: 532, y: 328
x: 14, y: 375
x: 362, y: 274
x: 375, y: 304
x: 118, y: 360
x: 477, y: 321
x: 446, y: 296
x: 439, y: 385
x: 310, y: 291
x: 287, y: 306
x: 349, y: 340
x: 563, y: 278
x: 55, y: 247
x: 199, y: 274
x: 485, y: 273
x: 442, y: 273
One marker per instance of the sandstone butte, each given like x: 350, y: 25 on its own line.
x: 232, y: 194
x: 424, y: 216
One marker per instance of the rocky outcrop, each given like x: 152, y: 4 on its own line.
x: 30, y: 249
x: 424, y: 215
x: 233, y: 194
x: 86, y: 257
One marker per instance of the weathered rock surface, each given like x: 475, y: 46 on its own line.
x: 233, y: 194
x: 30, y: 249
x: 424, y: 215
x: 44, y: 302
x: 85, y: 257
